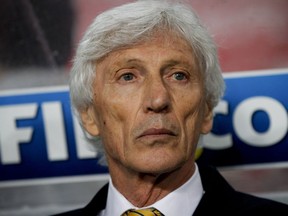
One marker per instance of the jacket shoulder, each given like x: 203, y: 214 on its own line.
x: 255, y: 205
x: 96, y: 205
x: 76, y: 212
x: 225, y: 200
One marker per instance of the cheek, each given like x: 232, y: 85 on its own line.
x: 115, y: 119
x: 119, y: 103
x: 191, y: 116
x: 110, y: 108
x: 112, y: 137
x: 189, y: 105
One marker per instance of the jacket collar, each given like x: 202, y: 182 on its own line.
x: 213, y: 183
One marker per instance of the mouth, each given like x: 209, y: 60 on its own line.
x: 153, y: 132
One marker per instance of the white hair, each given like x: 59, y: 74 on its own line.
x: 132, y: 24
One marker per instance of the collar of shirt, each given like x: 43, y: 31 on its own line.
x: 183, y: 201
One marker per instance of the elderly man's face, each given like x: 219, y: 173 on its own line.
x: 149, y: 106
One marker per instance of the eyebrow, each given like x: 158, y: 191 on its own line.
x: 171, y: 63
x: 175, y: 62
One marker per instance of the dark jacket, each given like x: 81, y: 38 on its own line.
x: 219, y: 199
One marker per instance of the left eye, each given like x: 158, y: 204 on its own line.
x: 179, y: 76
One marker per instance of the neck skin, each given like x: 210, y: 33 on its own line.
x: 144, y: 189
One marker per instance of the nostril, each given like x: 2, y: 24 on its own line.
x: 158, y: 106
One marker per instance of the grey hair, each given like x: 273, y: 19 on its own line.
x: 134, y: 23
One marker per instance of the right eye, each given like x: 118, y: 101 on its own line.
x: 127, y: 77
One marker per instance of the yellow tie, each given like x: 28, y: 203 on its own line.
x: 143, y: 212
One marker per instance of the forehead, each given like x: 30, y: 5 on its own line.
x: 160, y: 44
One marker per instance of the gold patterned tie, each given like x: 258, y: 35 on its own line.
x: 143, y: 212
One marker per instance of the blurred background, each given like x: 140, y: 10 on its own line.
x: 45, y: 164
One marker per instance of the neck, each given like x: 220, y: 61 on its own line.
x: 144, y: 189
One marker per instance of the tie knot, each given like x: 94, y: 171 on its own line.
x: 143, y: 212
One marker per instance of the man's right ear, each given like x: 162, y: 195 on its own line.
x: 89, y: 121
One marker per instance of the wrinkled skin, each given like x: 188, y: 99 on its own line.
x: 149, y: 109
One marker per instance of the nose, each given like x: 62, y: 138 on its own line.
x: 156, y: 97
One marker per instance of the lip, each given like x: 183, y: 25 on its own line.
x: 157, y: 132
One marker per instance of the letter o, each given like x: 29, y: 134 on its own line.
x: 242, y: 121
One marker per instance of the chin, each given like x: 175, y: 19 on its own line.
x: 158, y: 165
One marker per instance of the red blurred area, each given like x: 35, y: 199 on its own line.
x: 250, y: 34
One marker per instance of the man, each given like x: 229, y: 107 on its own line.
x: 145, y: 81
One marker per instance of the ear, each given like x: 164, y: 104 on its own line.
x: 89, y: 121
x: 208, y: 120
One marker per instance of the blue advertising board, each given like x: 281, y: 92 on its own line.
x: 251, y: 122
x: 40, y: 138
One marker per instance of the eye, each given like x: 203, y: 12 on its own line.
x: 179, y: 76
x: 128, y: 76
